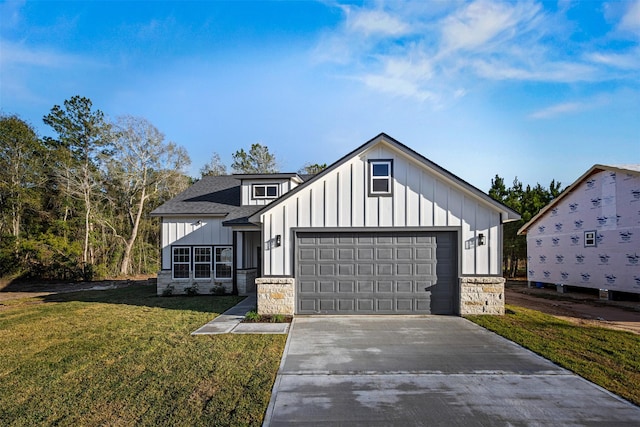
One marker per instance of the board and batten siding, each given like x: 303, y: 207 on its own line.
x: 421, y: 198
x: 187, y: 231
x: 284, y: 186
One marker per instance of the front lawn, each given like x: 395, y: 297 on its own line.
x: 126, y: 357
x: 606, y: 357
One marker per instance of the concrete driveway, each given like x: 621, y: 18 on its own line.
x: 431, y: 371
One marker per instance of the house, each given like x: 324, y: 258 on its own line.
x: 381, y: 231
x: 589, y: 236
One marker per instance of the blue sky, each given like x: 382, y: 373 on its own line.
x: 537, y: 90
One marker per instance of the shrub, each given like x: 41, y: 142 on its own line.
x: 168, y: 291
x: 218, y: 289
x: 277, y: 318
x: 253, y: 316
x: 191, y: 290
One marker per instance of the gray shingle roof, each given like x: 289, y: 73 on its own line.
x: 212, y: 195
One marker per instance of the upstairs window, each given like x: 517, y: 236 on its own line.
x: 265, y: 191
x: 380, y: 174
x: 590, y: 239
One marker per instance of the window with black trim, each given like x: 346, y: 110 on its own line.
x: 380, y: 174
x: 265, y: 191
x: 223, y: 262
x: 181, y: 262
x: 202, y: 262
x: 590, y: 239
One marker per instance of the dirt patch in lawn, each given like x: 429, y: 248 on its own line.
x: 575, y: 307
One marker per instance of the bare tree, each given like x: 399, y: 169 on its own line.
x: 84, y: 134
x: 142, y: 166
x: 215, y: 167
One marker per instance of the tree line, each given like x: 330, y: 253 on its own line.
x: 527, y: 201
x: 76, y: 206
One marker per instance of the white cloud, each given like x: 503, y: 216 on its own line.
x: 626, y: 61
x: 370, y: 22
x: 20, y: 54
x: 559, y: 72
x: 631, y: 19
x: 484, y: 21
x: 438, y: 55
x: 558, y: 109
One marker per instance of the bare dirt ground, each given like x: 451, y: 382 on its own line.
x: 578, y: 308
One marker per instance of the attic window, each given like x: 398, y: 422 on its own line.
x: 590, y: 238
x: 265, y: 191
x: 380, y: 174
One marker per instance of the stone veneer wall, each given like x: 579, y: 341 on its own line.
x: 246, y: 280
x: 276, y: 295
x: 178, y: 287
x: 481, y: 295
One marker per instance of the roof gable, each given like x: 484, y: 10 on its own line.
x: 507, y: 213
x: 630, y: 169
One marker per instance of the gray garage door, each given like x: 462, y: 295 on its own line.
x: 376, y: 273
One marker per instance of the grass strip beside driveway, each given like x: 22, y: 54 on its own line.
x: 605, y: 357
x: 125, y: 357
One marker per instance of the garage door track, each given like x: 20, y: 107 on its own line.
x: 427, y: 370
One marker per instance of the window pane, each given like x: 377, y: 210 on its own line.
x: 224, y: 255
x: 258, y: 191
x: 380, y: 169
x: 180, y: 254
x: 380, y: 185
x: 223, y: 271
x: 181, y: 271
x: 272, y: 191
x: 202, y: 271
x: 202, y: 254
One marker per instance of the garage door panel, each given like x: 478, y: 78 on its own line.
x: 365, y: 286
x: 327, y: 254
x: 404, y: 253
x: 307, y: 254
x: 365, y: 254
x: 326, y: 270
x: 307, y: 287
x: 404, y: 269
x: 387, y: 273
x: 384, y: 269
x: 384, y: 287
x: 384, y: 254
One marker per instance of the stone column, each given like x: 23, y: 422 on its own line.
x: 276, y: 295
x: 481, y: 295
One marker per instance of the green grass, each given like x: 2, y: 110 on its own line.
x: 126, y: 357
x: 606, y: 357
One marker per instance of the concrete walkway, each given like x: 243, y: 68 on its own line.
x: 431, y: 371
x: 231, y: 322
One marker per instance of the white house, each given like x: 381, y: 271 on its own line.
x: 589, y: 236
x: 381, y: 231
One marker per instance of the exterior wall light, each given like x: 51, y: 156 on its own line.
x: 278, y: 240
x: 481, y: 240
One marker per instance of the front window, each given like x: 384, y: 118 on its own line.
x: 224, y: 262
x: 380, y: 174
x: 202, y: 263
x: 181, y: 262
x: 265, y: 191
